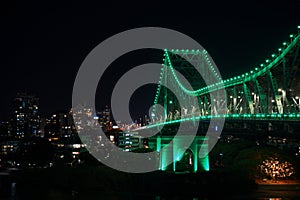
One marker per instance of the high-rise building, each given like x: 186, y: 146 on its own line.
x: 25, y: 118
x: 59, y: 125
x: 5, y: 130
x: 60, y: 131
x: 104, y: 118
x: 8, y: 147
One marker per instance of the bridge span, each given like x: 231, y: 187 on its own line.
x: 191, y: 91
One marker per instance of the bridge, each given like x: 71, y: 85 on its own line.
x: 271, y: 91
x: 191, y: 90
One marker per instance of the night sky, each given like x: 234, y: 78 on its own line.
x: 43, y: 45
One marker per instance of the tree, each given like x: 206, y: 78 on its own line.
x: 274, y: 168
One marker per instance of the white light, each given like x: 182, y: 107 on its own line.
x: 111, y: 137
x: 76, y: 146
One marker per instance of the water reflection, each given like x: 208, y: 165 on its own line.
x: 16, y: 192
x: 86, y: 195
x: 13, y: 191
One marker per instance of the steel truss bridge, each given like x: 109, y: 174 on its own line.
x: 269, y: 92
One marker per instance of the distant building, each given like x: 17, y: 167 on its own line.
x: 5, y: 130
x: 129, y: 141
x: 104, y: 118
x: 59, y: 125
x: 25, y: 117
x: 60, y: 131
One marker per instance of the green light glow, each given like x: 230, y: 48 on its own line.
x: 189, y: 92
x: 229, y: 82
x: 261, y: 116
x: 175, y: 153
x: 205, y: 163
x: 234, y: 81
x: 164, y: 155
x: 158, y: 142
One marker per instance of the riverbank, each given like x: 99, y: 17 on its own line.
x: 105, y: 183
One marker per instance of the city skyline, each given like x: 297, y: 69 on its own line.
x: 79, y: 120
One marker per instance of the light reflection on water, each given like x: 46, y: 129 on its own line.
x: 17, y: 193
x: 86, y: 195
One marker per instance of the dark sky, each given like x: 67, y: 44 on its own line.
x: 43, y: 45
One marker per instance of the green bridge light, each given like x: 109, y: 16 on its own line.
x: 227, y: 83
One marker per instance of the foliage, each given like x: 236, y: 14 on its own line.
x: 275, y: 168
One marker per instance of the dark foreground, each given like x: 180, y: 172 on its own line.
x: 105, y: 183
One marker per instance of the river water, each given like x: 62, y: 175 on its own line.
x: 10, y: 190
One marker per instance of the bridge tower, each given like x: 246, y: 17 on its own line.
x: 265, y: 98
